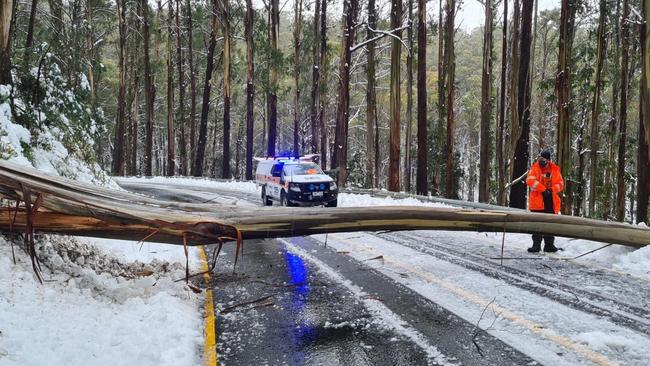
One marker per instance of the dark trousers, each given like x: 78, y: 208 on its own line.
x: 548, y: 208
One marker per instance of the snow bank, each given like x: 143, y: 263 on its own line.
x: 236, y: 186
x: 95, y: 308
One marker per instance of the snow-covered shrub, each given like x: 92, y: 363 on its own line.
x: 47, y: 125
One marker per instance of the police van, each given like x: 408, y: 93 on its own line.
x: 293, y: 181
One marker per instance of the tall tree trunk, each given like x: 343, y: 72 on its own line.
x: 190, y: 61
x: 90, y: 51
x: 486, y: 106
x: 501, y: 164
x: 340, y: 153
x: 595, y: 107
x: 149, y: 91
x: 622, y: 129
x: 395, y: 96
x: 29, y: 41
x: 409, y: 102
x: 225, y: 21
x: 579, y: 186
x: 180, y: 65
x: 521, y: 156
x: 643, y: 181
x: 197, y: 168
x: 171, y: 135
x: 120, y: 127
x: 250, y: 88
x: 421, y: 180
x: 297, y: 28
x: 442, y: 79
x: 514, y: 84
x: 135, y: 124
x: 315, y: 84
x: 608, y: 185
x: 563, y: 91
x: 450, y: 190
x: 371, y: 96
x: 273, y: 78
x: 6, y: 17
x: 323, y: 98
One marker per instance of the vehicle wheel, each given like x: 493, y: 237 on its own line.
x: 332, y: 203
x: 266, y: 201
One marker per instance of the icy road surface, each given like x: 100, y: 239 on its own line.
x: 423, y: 297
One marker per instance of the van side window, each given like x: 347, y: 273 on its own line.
x: 276, y: 170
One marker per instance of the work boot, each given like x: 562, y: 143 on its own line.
x: 550, y: 248
x: 535, y: 248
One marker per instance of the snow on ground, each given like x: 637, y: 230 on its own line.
x: 236, y: 186
x: 103, y: 302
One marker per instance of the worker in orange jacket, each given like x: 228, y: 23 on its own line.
x: 545, y: 183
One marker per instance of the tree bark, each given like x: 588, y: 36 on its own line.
x: 501, y: 164
x: 171, y: 135
x: 197, y: 168
x: 514, y: 84
x: 643, y: 162
x: 190, y: 61
x: 75, y: 208
x: 595, y: 107
x: 250, y: 88
x: 450, y: 9
x: 521, y: 156
x: 6, y: 17
x: 225, y: 21
x: 409, y: 101
x: 563, y: 91
x: 395, y: 97
x: 622, y: 129
x: 149, y: 91
x: 442, y: 78
x: 29, y: 41
x: 315, y: 84
x: 339, y: 156
x: 297, y: 24
x: 486, y: 106
x: 117, y: 167
x: 180, y: 66
x: 422, y: 175
x: 371, y: 97
x: 643, y: 187
x: 323, y: 98
x: 273, y: 77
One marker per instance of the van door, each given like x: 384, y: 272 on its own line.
x: 275, y: 186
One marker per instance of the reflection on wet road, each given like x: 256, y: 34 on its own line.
x: 303, y: 332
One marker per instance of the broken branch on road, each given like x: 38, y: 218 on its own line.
x: 61, y: 206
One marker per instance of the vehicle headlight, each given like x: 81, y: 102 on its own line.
x: 294, y: 187
x: 333, y: 186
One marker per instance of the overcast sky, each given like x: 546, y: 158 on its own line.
x: 472, y: 13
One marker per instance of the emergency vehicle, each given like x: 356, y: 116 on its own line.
x: 292, y: 181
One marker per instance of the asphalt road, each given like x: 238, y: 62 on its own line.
x: 402, y: 298
x: 325, y: 308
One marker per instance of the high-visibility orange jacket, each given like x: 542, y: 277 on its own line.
x: 540, y: 179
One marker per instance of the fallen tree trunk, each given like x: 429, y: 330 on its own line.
x: 68, y: 207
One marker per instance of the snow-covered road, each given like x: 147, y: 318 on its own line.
x: 554, y: 310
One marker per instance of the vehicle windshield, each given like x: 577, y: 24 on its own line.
x: 302, y: 169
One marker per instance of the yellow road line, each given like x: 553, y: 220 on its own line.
x: 209, y: 331
x: 537, y: 328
